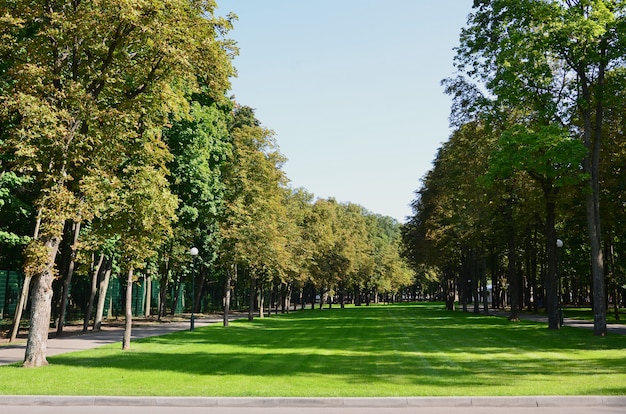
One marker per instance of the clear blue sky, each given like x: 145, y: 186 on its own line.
x: 352, y: 90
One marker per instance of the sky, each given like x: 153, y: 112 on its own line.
x: 352, y: 90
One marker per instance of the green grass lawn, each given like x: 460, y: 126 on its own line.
x: 387, y: 350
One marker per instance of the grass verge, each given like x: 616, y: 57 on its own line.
x: 387, y: 350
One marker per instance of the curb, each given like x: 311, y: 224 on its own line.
x: 391, y: 402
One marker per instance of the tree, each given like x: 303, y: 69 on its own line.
x: 551, y: 58
x: 354, y: 251
x: 83, y: 77
x: 293, y: 264
x: 390, y: 272
x: 144, y: 216
x: 453, y: 212
x: 552, y: 159
x: 326, y: 261
x: 200, y: 147
x: 254, y: 204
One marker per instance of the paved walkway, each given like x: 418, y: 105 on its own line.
x: 10, y: 354
x: 611, y: 328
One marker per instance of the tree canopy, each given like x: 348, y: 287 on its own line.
x: 534, y: 77
x: 115, y: 121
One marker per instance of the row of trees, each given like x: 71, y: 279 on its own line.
x: 538, y: 104
x: 119, y: 143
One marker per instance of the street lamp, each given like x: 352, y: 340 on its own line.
x: 193, y: 252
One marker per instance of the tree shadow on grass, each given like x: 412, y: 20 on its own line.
x: 436, y: 371
x: 399, y: 329
x: 386, y: 345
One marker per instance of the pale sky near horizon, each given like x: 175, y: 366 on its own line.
x: 351, y: 89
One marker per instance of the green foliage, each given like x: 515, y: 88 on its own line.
x: 114, y: 114
x: 84, y: 87
x: 15, y: 209
x: 254, y: 198
x: 353, y: 248
x: 546, y: 153
x: 36, y: 256
x: 541, y: 79
x: 200, y: 147
x: 453, y: 207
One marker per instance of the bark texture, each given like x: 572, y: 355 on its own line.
x: 41, y: 307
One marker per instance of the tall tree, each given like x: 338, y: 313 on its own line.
x: 552, y: 57
x: 81, y: 76
x: 552, y: 159
x: 253, y: 200
x: 200, y: 147
x: 143, y: 215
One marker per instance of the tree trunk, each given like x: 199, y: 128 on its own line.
x: 102, y: 294
x: 68, y: 278
x: 511, y: 271
x: 148, y: 292
x: 272, y: 298
x: 176, y: 295
x: 342, y: 295
x: 261, y: 300
x: 448, y: 291
x: 285, y: 294
x: 511, y: 274
x: 230, y: 276
x: 465, y: 280
x: 616, y: 302
x: 95, y: 271
x: 591, y: 165
x: 251, y: 298
x: 495, y: 281
x: 551, y: 280
x: 41, y: 305
x: 483, y: 269
x: 163, y: 289
x: 357, y: 296
x: 475, y: 280
x: 128, y: 311
x: 198, y: 289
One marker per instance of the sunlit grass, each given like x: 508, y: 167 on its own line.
x: 393, y: 350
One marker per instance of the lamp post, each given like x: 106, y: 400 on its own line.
x: 193, y: 252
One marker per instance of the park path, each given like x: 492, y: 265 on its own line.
x: 611, y: 328
x: 10, y: 354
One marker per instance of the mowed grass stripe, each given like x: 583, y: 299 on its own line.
x: 383, y: 350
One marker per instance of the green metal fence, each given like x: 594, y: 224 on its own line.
x: 114, y: 303
x: 10, y: 289
x: 11, y: 286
